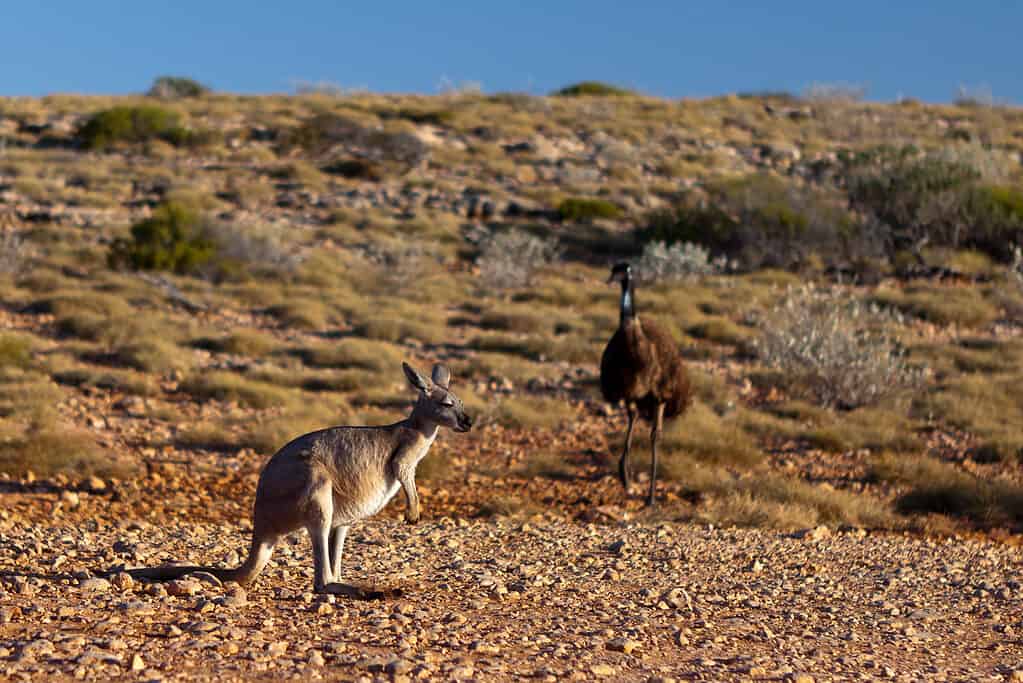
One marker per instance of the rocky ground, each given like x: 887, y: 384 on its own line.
x: 529, y: 562
x: 497, y: 600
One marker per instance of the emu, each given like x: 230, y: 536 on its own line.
x: 326, y: 480
x: 642, y: 367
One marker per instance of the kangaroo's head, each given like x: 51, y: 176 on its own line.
x: 437, y: 403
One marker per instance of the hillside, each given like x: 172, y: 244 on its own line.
x: 187, y: 283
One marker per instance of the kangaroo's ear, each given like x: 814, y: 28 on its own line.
x: 441, y: 376
x: 415, y: 379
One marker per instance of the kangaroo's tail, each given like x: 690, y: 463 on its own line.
x: 171, y: 572
x: 259, y: 555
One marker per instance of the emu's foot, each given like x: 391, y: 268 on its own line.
x: 361, y: 592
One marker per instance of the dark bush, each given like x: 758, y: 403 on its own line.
x: 762, y: 221
x: 592, y: 88
x: 135, y: 125
x: 702, y: 224
x: 331, y: 133
x: 171, y: 239
x: 934, y: 201
x: 176, y: 87
x: 582, y: 209
x: 356, y: 169
x: 433, y: 117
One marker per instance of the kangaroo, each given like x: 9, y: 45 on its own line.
x: 326, y: 480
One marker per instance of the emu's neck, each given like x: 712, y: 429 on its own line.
x: 627, y: 309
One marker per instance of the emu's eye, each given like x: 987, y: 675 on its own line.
x: 447, y: 402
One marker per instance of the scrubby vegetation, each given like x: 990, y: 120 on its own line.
x: 232, y: 271
x: 136, y: 124
x: 174, y: 87
x: 592, y: 89
x: 834, y: 350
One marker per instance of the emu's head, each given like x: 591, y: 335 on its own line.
x: 437, y: 403
x: 620, y: 272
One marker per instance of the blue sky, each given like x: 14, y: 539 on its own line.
x: 670, y: 48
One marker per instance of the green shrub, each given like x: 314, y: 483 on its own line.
x: 580, y: 209
x: 178, y: 239
x: 937, y: 199
x: 702, y: 224
x: 762, y: 221
x: 592, y: 88
x: 171, y: 239
x: 15, y: 351
x: 176, y: 87
x: 134, y: 125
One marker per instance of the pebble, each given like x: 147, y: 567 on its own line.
x: 96, y: 585
x: 622, y: 645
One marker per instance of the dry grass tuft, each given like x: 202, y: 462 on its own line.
x: 938, y: 487
x: 231, y: 387
x: 532, y: 412
x: 48, y: 450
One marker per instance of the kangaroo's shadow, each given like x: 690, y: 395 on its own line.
x: 367, y: 593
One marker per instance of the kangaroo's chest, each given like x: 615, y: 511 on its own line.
x: 375, y: 490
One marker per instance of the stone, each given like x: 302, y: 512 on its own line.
x: 95, y: 585
x: 122, y: 581
x: 622, y: 645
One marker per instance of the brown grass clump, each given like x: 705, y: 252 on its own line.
x: 229, y: 386
x: 532, y: 412
x: 787, y: 503
x: 508, y: 506
x: 251, y: 343
x: 963, y: 306
x: 548, y: 466
x: 705, y: 436
x: 49, y: 450
x: 879, y: 429
x: 304, y: 314
x: 988, y: 405
x: 354, y: 352
x: 15, y: 351
x: 936, y: 487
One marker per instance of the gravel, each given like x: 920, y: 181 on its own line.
x: 500, y: 599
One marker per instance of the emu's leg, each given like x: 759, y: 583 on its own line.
x: 337, y: 546
x: 655, y: 435
x: 623, y: 464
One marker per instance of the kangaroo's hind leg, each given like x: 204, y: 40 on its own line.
x: 319, y: 512
x: 337, y: 546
